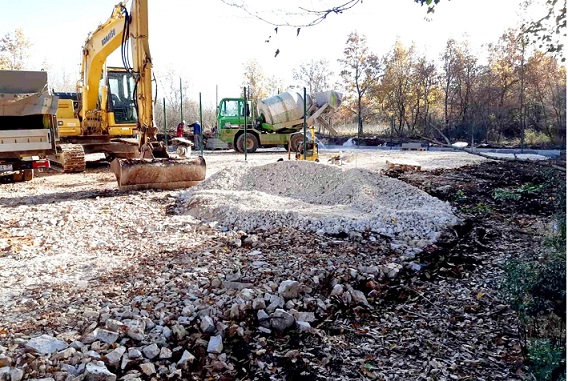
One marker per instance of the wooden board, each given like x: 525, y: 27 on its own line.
x: 404, y: 166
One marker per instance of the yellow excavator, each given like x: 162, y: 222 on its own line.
x: 112, y: 111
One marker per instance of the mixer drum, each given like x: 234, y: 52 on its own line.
x: 283, y: 107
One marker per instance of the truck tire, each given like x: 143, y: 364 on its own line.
x: 295, y: 141
x: 236, y: 146
x: 252, y: 143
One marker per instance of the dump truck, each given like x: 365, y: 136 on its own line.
x: 276, y: 121
x: 27, y: 123
x: 112, y: 110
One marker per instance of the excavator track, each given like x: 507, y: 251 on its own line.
x: 70, y: 157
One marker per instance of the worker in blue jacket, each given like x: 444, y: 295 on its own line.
x: 196, y: 135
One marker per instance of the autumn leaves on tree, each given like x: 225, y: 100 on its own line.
x: 14, y: 49
x: 519, y: 92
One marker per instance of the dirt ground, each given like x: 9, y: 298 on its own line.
x: 441, y: 319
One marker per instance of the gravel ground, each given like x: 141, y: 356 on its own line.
x: 373, y: 160
x: 72, y: 245
x: 70, y: 228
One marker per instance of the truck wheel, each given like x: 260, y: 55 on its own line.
x: 295, y: 141
x: 252, y: 143
x: 236, y: 145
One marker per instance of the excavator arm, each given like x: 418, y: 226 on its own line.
x: 143, y: 68
x: 98, y: 46
x: 123, y: 26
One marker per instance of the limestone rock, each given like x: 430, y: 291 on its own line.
x: 46, y: 344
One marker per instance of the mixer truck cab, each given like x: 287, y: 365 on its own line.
x: 232, y: 113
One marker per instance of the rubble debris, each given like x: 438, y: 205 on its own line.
x: 170, y: 297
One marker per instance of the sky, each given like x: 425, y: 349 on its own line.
x: 207, y: 43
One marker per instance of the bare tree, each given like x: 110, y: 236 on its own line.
x: 14, y: 50
x: 177, y: 99
x: 255, y: 81
x: 458, y: 77
x: 546, y: 96
x: 504, y: 63
x: 426, y: 90
x: 395, y: 88
x: 361, y: 70
x: 314, y: 75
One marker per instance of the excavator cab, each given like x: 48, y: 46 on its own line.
x: 121, y: 103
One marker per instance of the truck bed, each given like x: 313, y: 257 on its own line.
x: 27, y: 115
x: 27, y: 123
x: 21, y: 143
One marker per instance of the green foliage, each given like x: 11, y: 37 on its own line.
x: 557, y: 241
x: 429, y: 3
x: 546, y: 359
x: 530, y: 189
x: 549, y: 288
x: 537, y: 291
x: 536, y: 288
x: 459, y: 196
x: 533, y: 288
x: 537, y: 138
x: 502, y: 194
x: 519, y: 278
x: 479, y: 208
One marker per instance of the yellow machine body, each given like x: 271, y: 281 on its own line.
x: 112, y: 111
x: 311, y: 151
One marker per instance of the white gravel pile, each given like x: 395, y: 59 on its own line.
x: 317, y: 197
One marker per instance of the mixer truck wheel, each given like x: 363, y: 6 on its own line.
x: 295, y: 141
x: 252, y: 143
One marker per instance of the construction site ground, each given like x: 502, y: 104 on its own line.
x: 123, y: 287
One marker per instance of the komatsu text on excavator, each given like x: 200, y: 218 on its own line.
x: 112, y: 111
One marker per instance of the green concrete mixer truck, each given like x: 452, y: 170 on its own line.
x: 275, y: 121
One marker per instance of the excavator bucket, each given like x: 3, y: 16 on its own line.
x: 166, y: 173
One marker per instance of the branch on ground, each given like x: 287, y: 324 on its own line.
x: 545, y: 163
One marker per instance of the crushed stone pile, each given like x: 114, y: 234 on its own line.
x: 320, y: 198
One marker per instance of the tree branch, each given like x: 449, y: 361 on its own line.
x: 320, y: 15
